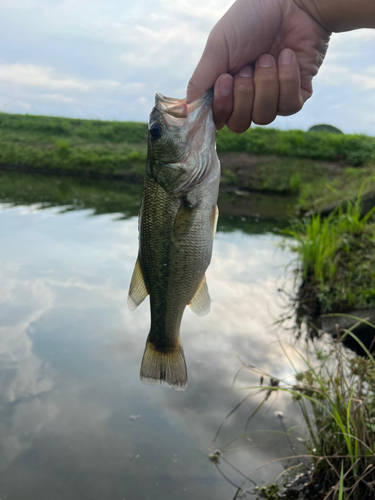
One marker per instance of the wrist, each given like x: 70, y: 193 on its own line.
x: 340, y: 15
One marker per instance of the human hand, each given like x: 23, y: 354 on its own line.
x: 260, y: 58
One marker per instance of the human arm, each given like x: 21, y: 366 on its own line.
x: 280, y: 44
x: 341, y: 15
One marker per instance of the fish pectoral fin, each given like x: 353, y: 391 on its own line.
x: 200, y: 304
x: 184, y: 217
x: 137, y: 290
x: 214, y: 218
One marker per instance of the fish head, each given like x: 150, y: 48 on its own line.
x: 182, y: 138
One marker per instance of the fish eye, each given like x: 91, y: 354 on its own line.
x: 155, y: 130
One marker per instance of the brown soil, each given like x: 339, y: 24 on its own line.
x: 246, y: 168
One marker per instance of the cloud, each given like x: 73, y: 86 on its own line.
x: 335, y: 76
x: 157, y: 46
x: 56, y: 98
x: 363, y: 35
x: 27, y: 381
x: 107, y: 59
x: 210, y: 9
x: 72, y: 359
x: 23, y: 105
x: 46, y: 77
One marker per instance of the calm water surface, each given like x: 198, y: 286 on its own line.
x: 75, y: 421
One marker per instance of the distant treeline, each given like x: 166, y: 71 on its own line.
x: 119, y: 149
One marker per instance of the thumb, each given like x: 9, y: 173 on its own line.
x: 212, y: 64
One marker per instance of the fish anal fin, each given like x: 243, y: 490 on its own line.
x: 164, y: 366
x: 184, y: 217
x: 214, y: 218
x: 137, y: 290
x: 200, y: 304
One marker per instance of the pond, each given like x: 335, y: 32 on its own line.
x: 76, y: 422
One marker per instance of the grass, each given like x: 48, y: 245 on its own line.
x: 342, y: 429
x: 356, y: 150
x: 322, y: 191
x: 115, y: 148
x: 340, y: 389
x: 288, y: 174
x: 42, y: 128
x: 336, y: 256
x: 276, y: 174
x: 290, y: 162
x: 336, y: 394
x: 90, y: 147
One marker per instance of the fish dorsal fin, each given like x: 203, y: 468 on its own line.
x: 184, y: 217
x: 214, y: 218
x: 137, y: 290
x: 201, y: 302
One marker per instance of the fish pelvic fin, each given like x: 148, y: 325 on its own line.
x: 201, y: 302
x: 164, y: 366
x: 137, y: 290
x: 214, y: 218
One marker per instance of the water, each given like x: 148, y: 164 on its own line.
x: 75, y: 421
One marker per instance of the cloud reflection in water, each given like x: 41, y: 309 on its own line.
x: 70, y: 354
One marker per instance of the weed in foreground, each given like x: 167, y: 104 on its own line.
x: 336, y: 394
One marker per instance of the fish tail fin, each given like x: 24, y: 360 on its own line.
x: 165, y: 366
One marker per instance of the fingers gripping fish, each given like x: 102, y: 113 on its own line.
x: 177, y: 222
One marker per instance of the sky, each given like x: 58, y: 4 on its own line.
x: 105, y: 59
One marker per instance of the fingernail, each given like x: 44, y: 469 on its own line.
x: 265, y: 61
x: 246, y: 71
x: 226, y: 86
x: 286, y: 56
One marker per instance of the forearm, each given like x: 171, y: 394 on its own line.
x: 341, y: 15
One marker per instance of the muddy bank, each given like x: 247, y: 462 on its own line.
x: 108, y: 195
x: 308, y: 186
x: 317, y: 186
x: 273, y: 173
x: 241, y: 172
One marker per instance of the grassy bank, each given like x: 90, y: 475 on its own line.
x: 336, y: 256
x: 116, y: 148
x: 318, y: 168
x: 327, y: 191
x: 356, y: 150
x: 87, y: 147
x: 274, y: 173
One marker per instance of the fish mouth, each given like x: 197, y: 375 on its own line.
x: 191, y: 125
x: 177, y: 108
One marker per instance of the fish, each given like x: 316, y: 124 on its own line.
x: 176, y: 225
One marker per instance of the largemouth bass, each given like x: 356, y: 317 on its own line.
x: 177, y: 222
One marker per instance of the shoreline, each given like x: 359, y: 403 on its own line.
x: 314, y: 186
x: 317, y: 168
